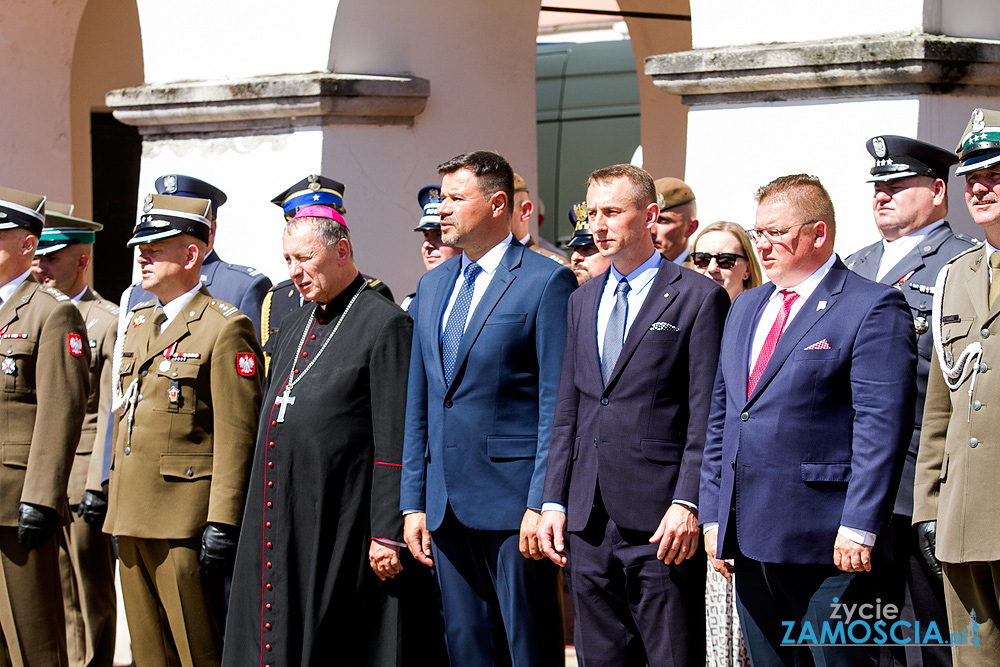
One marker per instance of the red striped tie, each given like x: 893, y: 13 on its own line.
x: 772, y: 339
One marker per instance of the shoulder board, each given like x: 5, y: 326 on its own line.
x: 143, y: 304
x: 108, y: 306
x: 964, y: 253
x: 225, y: 308
x: 968, y: 239
x: 254, y: 272
x: 249, y: 270
x: 54, y: 293
x: 373, y: 282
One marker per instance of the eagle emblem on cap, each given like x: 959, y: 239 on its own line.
x: 580, y: 211
x: 147, y: 205
x: 978, y: 121
x: 878, y: 143
x: 170, y: 184
x: 434, y: 194
x: 314, y: 182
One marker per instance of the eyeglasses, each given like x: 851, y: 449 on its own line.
x: 773, y: 234
x: 725, y: 260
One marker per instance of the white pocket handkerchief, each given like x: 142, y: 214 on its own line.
x: 662, y: 326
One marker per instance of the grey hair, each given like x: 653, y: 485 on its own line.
x: 325, y: 230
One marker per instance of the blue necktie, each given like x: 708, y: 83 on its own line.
x: 614, y: 334
x: 455, y: 327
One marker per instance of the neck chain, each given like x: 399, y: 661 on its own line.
x: 292, y: 378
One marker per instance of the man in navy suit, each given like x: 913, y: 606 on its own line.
x: 627, y: 439
x: 489, y: 330
x: 811, y: 416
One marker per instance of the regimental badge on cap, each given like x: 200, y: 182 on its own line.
x: 170, y: 184
x: 978, y: 121
x: 246, y: 364
x: 878, y: 144
x: 580, y: 212
x: 75, y: 345
x: 314, y: 184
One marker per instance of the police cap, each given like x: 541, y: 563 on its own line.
x: 179, y: 185
x: 581, y: 225
x: 430, y: 199
x: 902, y: 157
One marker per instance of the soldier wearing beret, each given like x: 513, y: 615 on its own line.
x: 242, y: 286
x: 522, y: 208
x: 910, y: 202
x: 433, y: 250
x: 187, y: 397
x: 677, y: 222
x: 44, y: 358
x: 954, y: 492
x: 586, y: 261
x: 283, y: 299
x: 86, y: 561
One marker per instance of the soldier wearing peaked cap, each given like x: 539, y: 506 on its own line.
x: 954, y: 493
x: 283, y: 299
x: 910, y: 202
x: 677, y: 220
x: 242, y: 286
x: 586, y: 261
x: 432, y: 250
x: 187, y: 396
x: 43, y: 354
x: 522, y: 208
x: 86, y: 561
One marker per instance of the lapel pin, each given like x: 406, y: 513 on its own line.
x: 666, y: 295
x: 821, y: 305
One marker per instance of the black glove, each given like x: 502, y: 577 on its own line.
x: 218, y: 548
x: 33, y: 521
x: 927, y: 541
x: 93, y: 508
x: 114, y: 547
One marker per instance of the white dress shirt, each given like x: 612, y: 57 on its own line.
x: 893, y: 252
x: 488, y: 263
x: 638, y: 282
x: 76, y: 299
x: 174, y: 307
x: 7, y: 291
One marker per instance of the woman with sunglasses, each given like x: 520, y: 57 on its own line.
x: 724, y: 253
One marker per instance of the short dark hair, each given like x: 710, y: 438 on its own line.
x: 492, y: 172
x: 643, y: 188
x: 806, y: 194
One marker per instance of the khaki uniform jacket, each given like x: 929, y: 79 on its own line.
x: 532, y: 244
x: 44, y: 360
x: 959, y: 453
x: 101, y: 319
x: 187, y: 460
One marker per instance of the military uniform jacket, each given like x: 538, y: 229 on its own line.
x: 914, y: 275
x: 44, y: 360
x: 187, y: 460
x: 101, y: 319
x: 532, y: 244
x: 959, y: 453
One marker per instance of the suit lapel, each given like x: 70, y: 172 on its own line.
x: 442, y: 291
x: 747, y: 328
x: 866, y: 266
x: 502, y: 279
x: 661, y: 293
x: 589, y: 320
x: 178, y: 327
x: 812, y: 311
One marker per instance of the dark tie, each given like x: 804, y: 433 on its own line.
x: 455, y: 327
x: 615, y: 332
x: 772, y: 339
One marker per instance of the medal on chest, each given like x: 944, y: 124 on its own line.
x: 8, y: 366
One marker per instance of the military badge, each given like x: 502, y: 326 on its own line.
x: 246, y: 364
x: 139, y: 320
x: 147, y: 205
x: 920, y: 325
x: 978, y: 121
x: 93, y: 343
x: 75, y: 345
x: 878, y: 144
x: 8, y: 366
x: 314, y: 183
x: 174, y: 392
x: 164, y: 366
x: 170, y: 184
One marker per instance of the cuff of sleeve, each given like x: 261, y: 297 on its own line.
x: 385, y: 540
x: 405, y: 512
x: 686, y: 503
x: 553, y: 507
x: 709, y: 525
x: 859, y: 536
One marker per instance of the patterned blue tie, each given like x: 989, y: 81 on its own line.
x: 614, y: 334
x: 455, y: 327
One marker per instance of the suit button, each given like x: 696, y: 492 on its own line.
x: 983, y: 368
x: 128, y: 450
x: 973, y: 443
x: 190, y: 472
x: 143, y: 372
x: 985, y: 333
x: 268, y: 586
x: 604, y: 400
x: 267, y: 646
x: 744, y: 416
x: 448, y: 404
x: 139, y: 398
x: 977, y: 405
x: 733, y: 464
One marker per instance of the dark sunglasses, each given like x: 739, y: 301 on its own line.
x: 725, y: 260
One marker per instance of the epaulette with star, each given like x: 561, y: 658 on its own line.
x: 226, y: 309
x: 142, y: 304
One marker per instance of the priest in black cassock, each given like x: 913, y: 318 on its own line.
x: 319, y: 578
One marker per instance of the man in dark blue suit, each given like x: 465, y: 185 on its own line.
x: 811, y: 415
x: 627, y: 439
x: 489, y: 331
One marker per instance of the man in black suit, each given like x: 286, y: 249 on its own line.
x: 626, y: 446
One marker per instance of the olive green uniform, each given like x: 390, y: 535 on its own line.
x: 44, y: 360
x: 181, y: 459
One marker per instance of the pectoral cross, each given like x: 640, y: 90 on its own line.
x: 284, y: 401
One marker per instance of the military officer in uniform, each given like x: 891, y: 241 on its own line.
x: 283, y: 299
x: 187, y: 397
x: 44, y: 363
x: 910, y: 203
x: 954, y: 492
x: 522, y: 208
x: 86, y: 562
x: 585, y: 261
x: 242, y: 286
x: 677, y: 222
x: 433, y: 251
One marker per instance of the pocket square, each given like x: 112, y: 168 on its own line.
x: 662, y: 326
x: 821, y: 345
